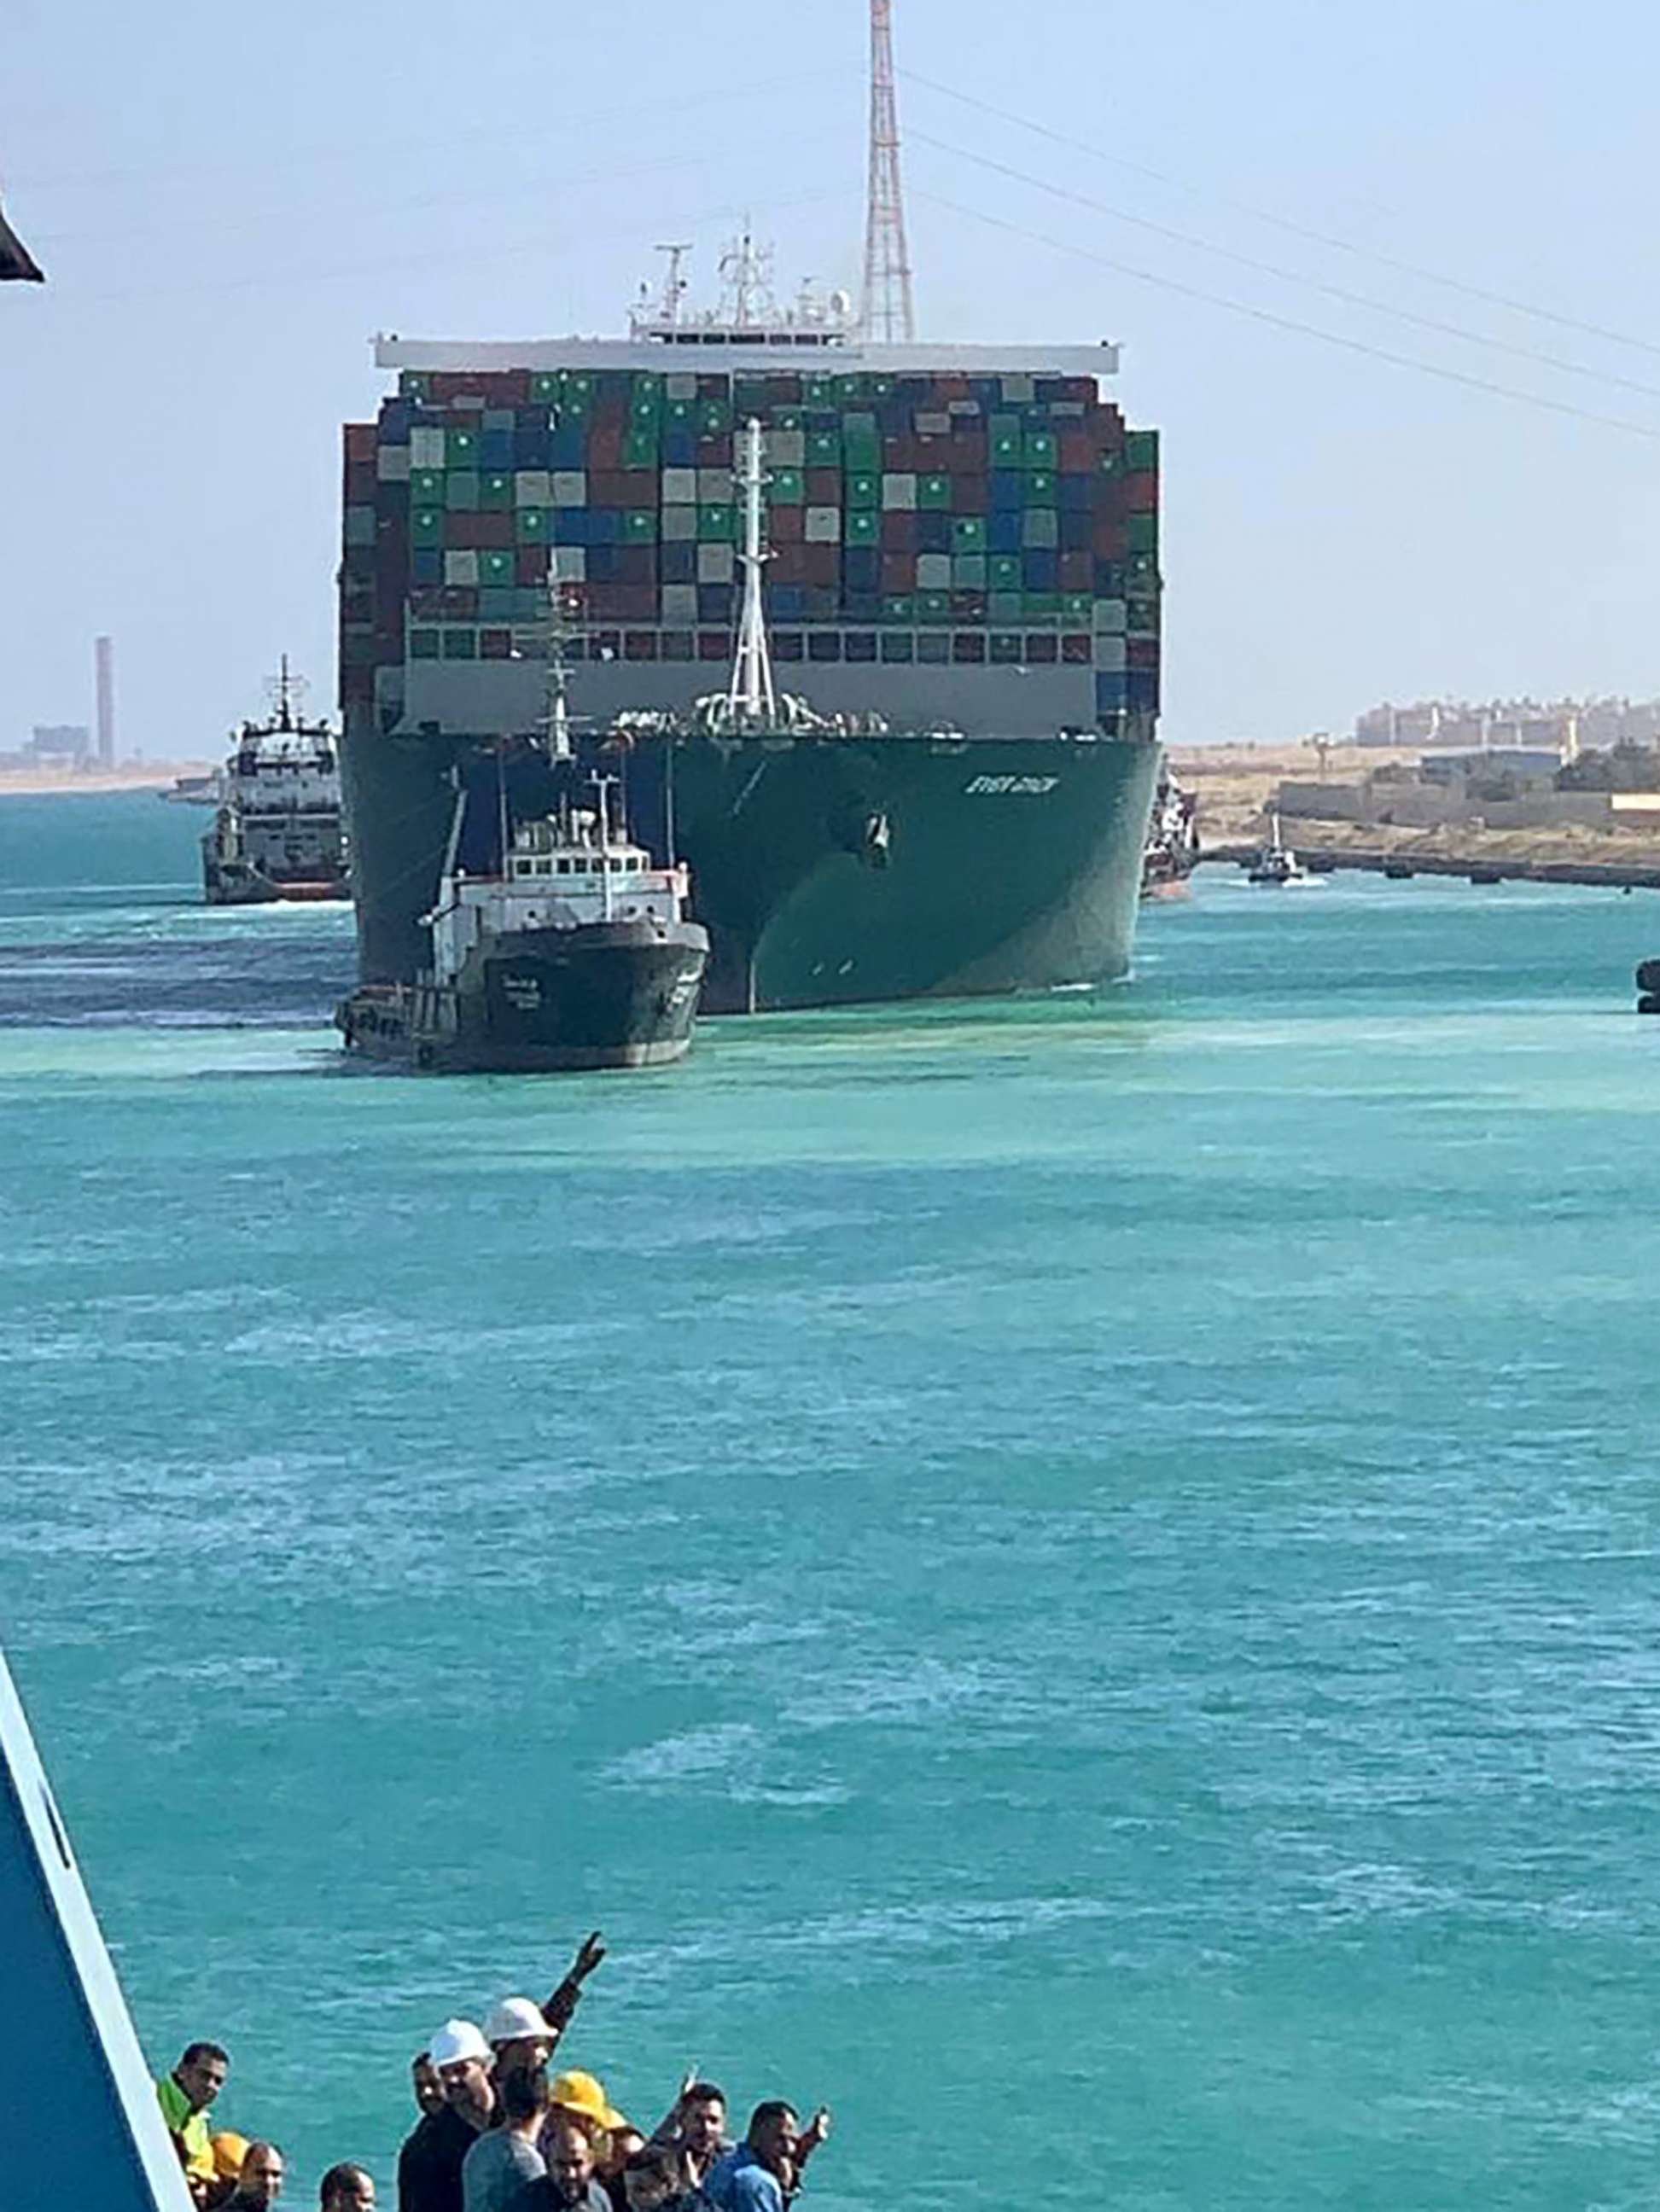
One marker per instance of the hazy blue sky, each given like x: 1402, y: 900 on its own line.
x: 230, y: 200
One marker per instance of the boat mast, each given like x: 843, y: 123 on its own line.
x: 556, y: 719
x: 752, y: 700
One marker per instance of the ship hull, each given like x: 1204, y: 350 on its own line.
x: 245, y: 887
x: 620, y: 995
x: 828, y: 870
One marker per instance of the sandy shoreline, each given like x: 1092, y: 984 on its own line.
x: 157, y: 775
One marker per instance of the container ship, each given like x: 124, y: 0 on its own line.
x: 961, y: 583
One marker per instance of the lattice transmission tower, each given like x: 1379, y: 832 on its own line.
x: 888, y: 311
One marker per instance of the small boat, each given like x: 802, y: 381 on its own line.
x: 574, y: 953
x: 279, y: 833
x: 1172, y: 847
x: 1277, y: 868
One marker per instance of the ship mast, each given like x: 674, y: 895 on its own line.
x: 752, y: 700
x: 887, y: 311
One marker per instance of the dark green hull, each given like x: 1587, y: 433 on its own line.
x: 828, y: 871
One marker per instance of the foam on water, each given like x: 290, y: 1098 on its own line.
x: 1075, y: 1574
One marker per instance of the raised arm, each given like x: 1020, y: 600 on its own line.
x: 562, y: 2004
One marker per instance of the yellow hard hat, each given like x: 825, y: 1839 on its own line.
x: 229, y: 2149
x: 585, y: 2095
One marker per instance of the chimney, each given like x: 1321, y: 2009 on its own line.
x: 103, y: 658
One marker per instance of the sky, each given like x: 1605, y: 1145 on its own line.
x: 1321, y: 233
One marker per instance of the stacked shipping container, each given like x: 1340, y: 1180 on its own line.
x: 937, y: 519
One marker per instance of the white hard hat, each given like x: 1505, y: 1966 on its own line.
x: 456, y: 2040
x: 516, y: 2020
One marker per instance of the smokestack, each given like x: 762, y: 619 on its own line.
x: 104, y: 662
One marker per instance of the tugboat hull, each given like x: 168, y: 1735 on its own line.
x: 608, y: 994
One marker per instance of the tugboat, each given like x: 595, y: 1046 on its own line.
x: 573, y: 951
x: 1172, y: 852
x: 1277, y: 868
x: 279, y: 832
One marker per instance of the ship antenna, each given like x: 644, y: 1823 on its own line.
x: 752, y: 700
x: 674, y: 284
x: 558, y: 706
x: 888, y: 311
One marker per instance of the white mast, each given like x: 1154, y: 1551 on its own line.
x: 751, y: 698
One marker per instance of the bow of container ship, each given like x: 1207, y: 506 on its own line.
x: 962, y: 584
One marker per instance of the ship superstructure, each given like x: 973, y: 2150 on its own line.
x: 961, y: 577
x: 279, y: 831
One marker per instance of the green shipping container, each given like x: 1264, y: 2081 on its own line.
x: 1006, y: 573
x: 424, y: 645
x: 1042, y: 606
x: 717, y: 525
x: 427, y: 525
x: 460, y: 645
x: 863, y: 526
x: 1040, y: 451
x: 968, y: 534
x: 1078, y: 606
x: 639, y: 525
x: 461, y: 449
x: 531, y: 525
x: 461, y: 490
x: 640, y: 449
x: 496, y: 491
x: 544, y: 384
x: 863, y: 489
x: 1041, y: 488
x: 824, y: 449
x: 934, y: 492
x: 899, y: 606
x: 496, y: 567
x: 1142, y: 450
x: 933, y: 607
x: 414, y: 384
x: 427, y: 487
x: 714, y: 419
x: 1142, y: 533
x: 788, y: 488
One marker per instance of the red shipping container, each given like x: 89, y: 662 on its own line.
x: 822, y: 564
x: 1078, y: 450
x: 715, y: 452
x: 788, y: 565
x: 511, y: 389
x: 968, y: 454
x: 636, y: 564
x: 898, y: 572
x: 460, y: 603
x: 1111, y: 539
x: 606, y: 447
x: 970, y: 495
x: 824, y: 487
x: 899, y: 454
x: 786, y: 526
x: 495, y: 529
x: 495, y: 645
x: 640, y: 488
x: 531, y: 565
x: 362, y: 443
x: 357, y: 687
x: 1142, y: 651
x: 1075, y: 650
x: 609, y: 411
x: 605, y: 488
x: 1077, y: 572
x: 948, y: 388
x: 1142, y: 492
x: 900, y: 532
x: 714, y: 644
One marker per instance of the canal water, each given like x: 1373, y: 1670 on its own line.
x: 1075, y: 1578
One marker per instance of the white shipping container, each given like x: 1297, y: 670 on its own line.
x: 426, y: 449
x: 824, y: 525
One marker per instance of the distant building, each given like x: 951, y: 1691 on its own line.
x: 1565, y: 725
x: 55, y: 743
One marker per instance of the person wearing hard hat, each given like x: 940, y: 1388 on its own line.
x: 581, y: 2097
x: 517, y: 2033
x: 429, y: 2164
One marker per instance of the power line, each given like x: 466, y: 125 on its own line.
x: 1339, y: 292
x: 1337, y: 243
x: 1303, y: 329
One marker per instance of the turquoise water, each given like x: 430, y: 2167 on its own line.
x: 1076, y: 1578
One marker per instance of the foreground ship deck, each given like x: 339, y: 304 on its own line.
x: 962, y: 579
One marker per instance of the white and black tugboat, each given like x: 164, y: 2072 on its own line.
x: 279, y: 833
x: 1277, y: 868
x: 571, y: 950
